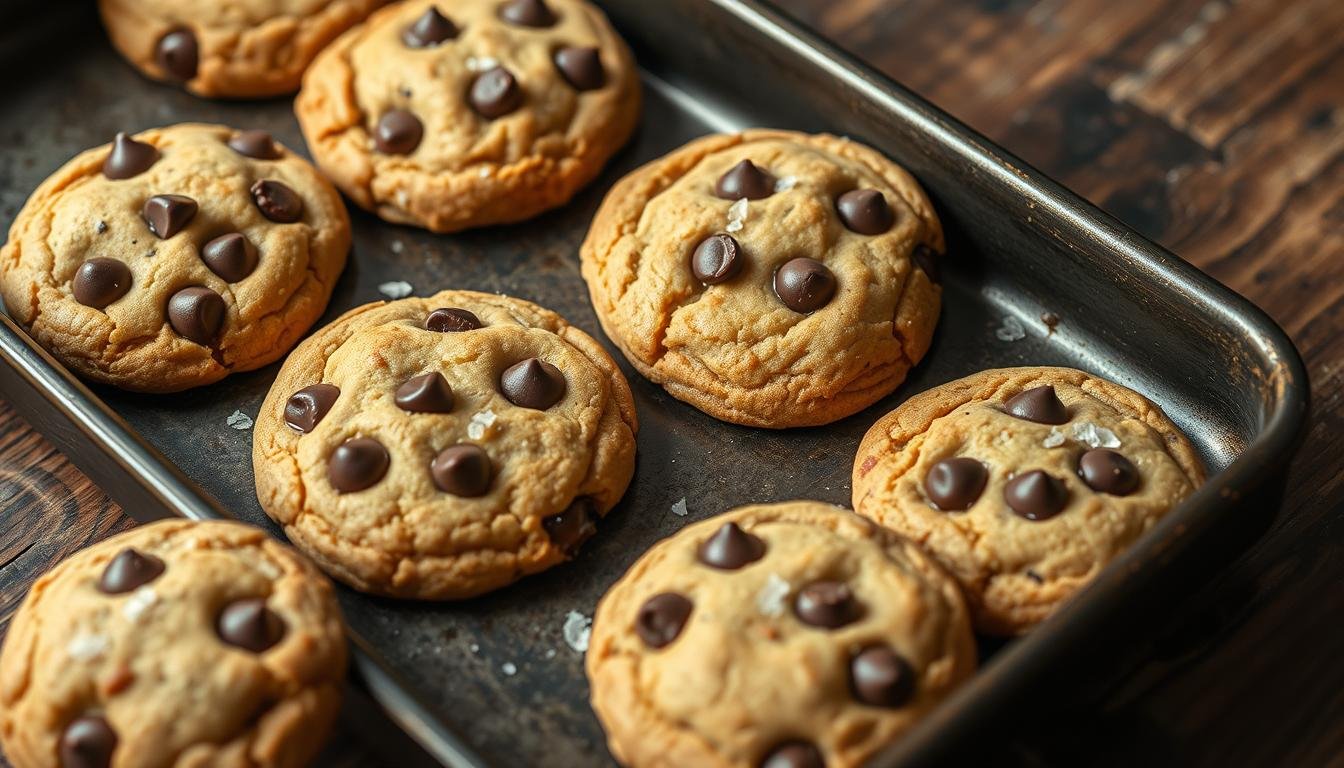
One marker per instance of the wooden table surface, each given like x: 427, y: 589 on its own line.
x: 1216, y: 128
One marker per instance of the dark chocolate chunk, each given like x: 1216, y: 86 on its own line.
x: 881, y: 677
x: 731, y: 548
x: 231, y: 256
x: 1036, y: 495
x: 256, y: 144
x: 128, y: 158
x: 462, y: 470
x: 828, y: 604
x: 87, y: 742
x: 495, y: 93
x: 717, y: 259
x: 570, y: 528
x: 277, y: 201
x: 452, y: 320
x: 804, y: 285
x: 747, y: 180
x: 426, y: 393
x: 1108, y: 471
x: 533, y: 383
x: 250, y: 625
x: 197, y: 314
x: 527, y: 13
x: 167, y: 215
x: 794, y: 754
x: 1038, y: 404
x: 101, y: 281
x: 398, y: 132
x: 429, y: 30
x: 865, y: 211
x: 927, y: 259
x: 581, y: 67
x: 356, y: 464
x: 661, y: 618
x: 129, y: 570
x: 177, y: 54
x: 309, y: 405
x: 954, y: 484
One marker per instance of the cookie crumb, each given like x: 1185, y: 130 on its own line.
x: 1011, y: 330
x: 679, y: 509
x: 85, y: 647
x: 397, y: 289
x: 1094, y: 436
x: 770, y: 600
x: 509, y: 668
x: 1054, y: 439
x: 1050, y: 319
x: 577, y: 631
x: 480, y: 422
x: 140, y: 601
x: 239, y: 421
x: 786, y: 183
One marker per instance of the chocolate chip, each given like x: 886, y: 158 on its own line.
x: 177, y: 54
x: 357, y: 464
x: 101, y: 281
x: 828, y: 604
x: 581, y: 67
x: 129, y: 570
x: 1038, y: 404
x: 256, y: 144
x: 250, y: 625
x: 731, y: 548
x: 745, y: 180
x: 1036, y: 495
x: 277, y: 201
x: 527, y: 13
x: 309, y: 405
x: 570, y: 528
x: 231, y: 256
x: 794, y: 754
x: 462, y: 470
x: 954, y: 484
x: 167, y: 215
x: 1107, y: 471
x: 927, y: 259
x: 429, y: 30
x: 495, y: 93
x: 426, y: 393
x: 398, y: 132
x: 128, y: 158
x: 87, y: 742
x: 661, y: 618
x: 804, y: 285
x: 452, y: 320
x: 533, y: 383
x: 881, y: 677
x: 865, y: 211
x: 197, y: 314
x: 717, y: 259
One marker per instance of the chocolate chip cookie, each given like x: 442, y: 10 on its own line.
x: 177, y: 643
x: 170, y: 259
x: 457, y: 115
x: 441, y: 447
x: 243, y: 48
x: 794, y: 634
x: 1023, y: 482
x: 768, y: 278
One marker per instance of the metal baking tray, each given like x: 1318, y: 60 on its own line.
x: 1019, y: 246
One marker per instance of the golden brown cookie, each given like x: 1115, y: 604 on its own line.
x: 794, y: 634
x: 170, y: 259
x: 457, y: 115
x: 768, y: 278
x: 235, y: 49
x: 176, y: 643
x: 441, y: 447
x: 1023, y: 482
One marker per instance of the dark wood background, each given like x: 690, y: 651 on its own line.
x: 1213, y: 127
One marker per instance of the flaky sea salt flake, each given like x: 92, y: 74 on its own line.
x: 1011, y: 330
x: 239, y: 421
x: 786, y: 183
x: 85, y: 646
x: 481, y: 64
x: 1094, y: 436
x: 770, y: 600
x: 397, y: 246
x: 397, y: 289
x: 140, y: 601
x: 479, y: 423
x: 679, y: 509
x: 577, y: 630
x: 738, y: 211
x: 509, y: 668
x: 1054, y: 439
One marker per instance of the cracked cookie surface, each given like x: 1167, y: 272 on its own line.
x: 170, y: 259
x: 1023, y: 482
x: 455, y: 115
x: 228, y: 48
x: 176, y: 643
x: 442, y: 447
x: 768, y: 278
x: 780, y: 634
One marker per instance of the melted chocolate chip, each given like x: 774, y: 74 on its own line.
x: 398, y: 132
x: 462, y: 470
x: 527, y: 13
x: 1108, y: 471
x: 429, y: 30
x: 731, y: 548
x: 128, y: 158
x: 570, y: 528
x: 1038, y: 404
x: 955, y: 484
x: 167, y: 215
x: 495, y: 93
x: 177, y: 54
x: 426, y: 393
x: 452, y: 320
x: 865, y: 211
x: 828, y: 604
x: 277, y: 202
x: 356, y: 464
x: 747, y: 180
x: 1036, y: 495
x: 717, y: 259
x: 533, y: 383
x: 231, y: 256
x: 197, y: 314
x: 99, y: 282
x: 881, y: 677
x: 927, y: 259
x: 256, y: 144
x: 661, y: 618
x: 250, y: 625
x: 794, y: 754
x: 129, y: 570
x: 804, y: 285
x: 581, y: 67
x: 309, y: 405
x: 87, y: 742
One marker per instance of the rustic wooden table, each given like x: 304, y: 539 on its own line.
x: 1213, y: 127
